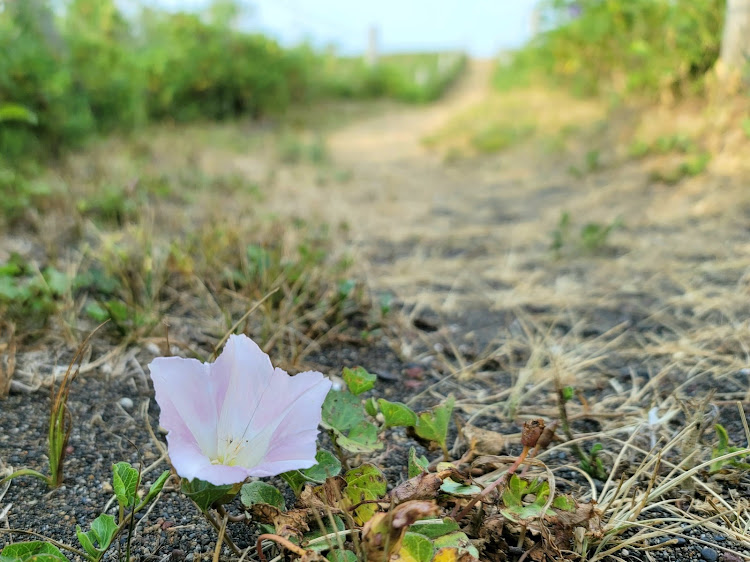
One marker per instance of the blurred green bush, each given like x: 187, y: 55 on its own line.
x: 621, y: 47
x: 86, y: 69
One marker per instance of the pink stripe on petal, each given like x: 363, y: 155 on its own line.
x: 184, y: 391
x: 246, y: 373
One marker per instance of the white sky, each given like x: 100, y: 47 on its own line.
x: 482, y: 27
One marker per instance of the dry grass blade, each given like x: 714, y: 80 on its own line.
x: 60, y: 421
x: 8, y: 367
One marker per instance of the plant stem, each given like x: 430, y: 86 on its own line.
x: 501, y: 479
x: 227, y: 539
x: 299, y: 551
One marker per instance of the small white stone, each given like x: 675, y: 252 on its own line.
x: 126, y: 403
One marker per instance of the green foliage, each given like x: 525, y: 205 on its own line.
x: 345, y: 416
x: 495, y: 138
x: 125, y: 483
x: 205, y: 494
x: 593, y: 464
x: 620, y: 46
x: 414, y: 78
x: 724, y: 448
x: 87, y: 68
x: 592, y: 236
x: 261, y: 492
x: 328, y: 466
x: 96, y: 541
x: 36, y: 551
x: 416, y: 465
x: 364, y: 483
x: 358, y: 380
x: 433, y: 424
x: 29, y: 296
x: 396, y: 414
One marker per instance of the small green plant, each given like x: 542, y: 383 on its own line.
x: 724, y: 448
x: 59, y: 427
x: 29, y: 296
x: 746, y: 126
x: 499, y: 137
x: 592, y: 238
x: 104, y: 529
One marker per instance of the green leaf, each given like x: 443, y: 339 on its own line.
x: 36, y: 551
x: 457, y: 540
x: 417, y: 465
x: 328, y: 466
x: 454, y: 488
x: 358, y: 380
x: 295, y: 480
x: 514, y: 491
x: 338, y: 527
x: 433, y: 424
x: 104, y: 528
x: 16, y: 112
x: 261, y: 492
x: 364, y: 483
x: 564, y: 503
x: 156, y: 487
x: 568, y: 392
x: 397, y: 414
x: 415, y: 548
x: 205, y: 494
x: 341, y: 411
x: 341, y: 556
x: 125, y: 482
x: 96, y: 541
x: 371, y: 407
x: 87, y: 542
x: 96, y: 312
x: 433, y: 528
x: 57, y: 281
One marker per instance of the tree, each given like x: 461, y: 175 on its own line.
x: 735, y: 42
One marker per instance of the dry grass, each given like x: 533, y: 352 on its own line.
x: 657, y: 317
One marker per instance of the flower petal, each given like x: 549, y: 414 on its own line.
x: 190, y: 463
x: 244, y: 373
x: 285, y: 426
x: 185, y: 395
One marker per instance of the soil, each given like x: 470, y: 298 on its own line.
x: 655, y: 319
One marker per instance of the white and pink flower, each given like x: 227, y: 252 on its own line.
x: 237, y: 417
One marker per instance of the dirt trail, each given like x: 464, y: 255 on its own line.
x: 396, y: 136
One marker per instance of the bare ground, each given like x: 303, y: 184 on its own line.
x: 654, y: 320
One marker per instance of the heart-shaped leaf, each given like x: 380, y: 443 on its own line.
x: 454, y: 488
x: 261, y: 492
x: 358, y: 380
x: 415, y: 548
x: 433, y: 424
x: 125, y: 483
x: 341, y: 411
x: 36, y: 551
x: 417, y: 465
x: 205, y: 494
x: 397, y: 414
x: 364, y: 483
x: 341, y: 556
x: 433, y: 528
x: 97, y: 540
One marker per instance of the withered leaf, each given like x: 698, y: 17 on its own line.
x: 383, y: 533
x: 483, y: 441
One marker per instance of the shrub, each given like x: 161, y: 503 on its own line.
x: 621, y: 46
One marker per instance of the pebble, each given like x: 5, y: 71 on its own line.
x: 709, y: 554
x: 126, y: 403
